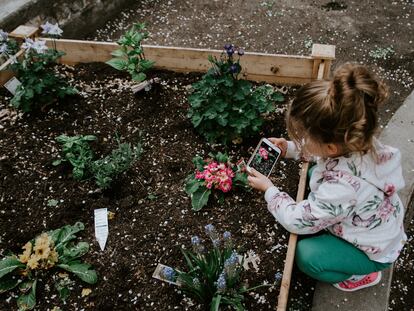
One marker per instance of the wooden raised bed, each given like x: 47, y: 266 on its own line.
x: 260, y: 67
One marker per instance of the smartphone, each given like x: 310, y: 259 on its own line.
x: 264, y: 157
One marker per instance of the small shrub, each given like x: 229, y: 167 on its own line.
x: 77, y: 152
x: 213, y: 175
x: 119, y: 161
x: 40, y: 85
x: 43, y: 256
x: 130, y: 56
x: 224, y: 107
x: 214, y: 275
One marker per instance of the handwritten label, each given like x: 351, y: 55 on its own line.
x: 101, y: 226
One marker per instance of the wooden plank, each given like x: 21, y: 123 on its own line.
x: 5, y: 73
x: 290, y: 255
x: 272, y: 68
x: 24, y: 31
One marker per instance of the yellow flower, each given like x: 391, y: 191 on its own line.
x: 42, y: 241
x: 27, y: 252
x: 33, y: 262
x: 86, y: 292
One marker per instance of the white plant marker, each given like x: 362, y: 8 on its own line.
x: 158, y: 274
x: 101, y: 226
x: 12, y: 85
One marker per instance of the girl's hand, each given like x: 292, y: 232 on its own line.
x: 257, y: 180
x: 281, y: 143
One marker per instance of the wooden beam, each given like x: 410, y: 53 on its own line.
x: 24, y: 31
x: 271, y: 68
x: 5, y: 73
x: 290, y: 255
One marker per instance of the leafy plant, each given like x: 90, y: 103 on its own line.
x: 381, y: 53
x: 130, y: 56
x: 214, y: 275
x: 216, y: 174
x: 40, y: 85
x: 42, y: 257
x: 225, y: 108
x: 120, y: 160
x: 77, y: 152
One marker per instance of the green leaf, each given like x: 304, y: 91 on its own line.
x: 28, y: 301
x: 8, y: 264
x: 118, y: 53
x: 200, y: 198
x: 140, y: 76
x: 65, y: 234
x: 192, y: 185
x: 8, y: 282
x: 82, y: 271
x: 57, y: 162
x: 74, y: 251
x: 215, y: 303
x: 118, y: 63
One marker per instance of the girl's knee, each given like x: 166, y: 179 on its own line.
x: 307, y: 256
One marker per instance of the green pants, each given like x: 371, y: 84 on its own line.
x: 330, y: 259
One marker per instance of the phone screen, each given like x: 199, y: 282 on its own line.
x: 264, y: 158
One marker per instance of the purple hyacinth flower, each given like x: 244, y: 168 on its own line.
x: 234, y: 68
x: 221, y: 282
x: 169, y: 274
x: 240, y: 52
x: 226, y: 235
x: 195, y: 240
x: 209, y: 229
x: 227, y: 46
x: 230, y: 51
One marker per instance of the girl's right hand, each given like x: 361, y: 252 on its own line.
x: 281, y: 143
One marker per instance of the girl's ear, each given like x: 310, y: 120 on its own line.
x: 333, y: 149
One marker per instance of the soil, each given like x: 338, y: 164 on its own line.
x: 360, y: 31
x: 153, y: 216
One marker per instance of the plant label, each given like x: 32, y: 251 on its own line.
x: 101, y: 226
x: 158, y: 274
x: 12, y: 85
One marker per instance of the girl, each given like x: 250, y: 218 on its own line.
x: 353, y: 185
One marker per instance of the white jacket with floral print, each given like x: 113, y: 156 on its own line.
x: 354, y: 197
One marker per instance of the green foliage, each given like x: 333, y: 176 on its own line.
x: 213, y: 175
x: 40, y: 84
x: 77, y: 152
x: 382, y: 53
x: 213, y: 277
x: 119, y: 161
x: 41, y: 258
x: 130, y: 56
x: 224, y: 107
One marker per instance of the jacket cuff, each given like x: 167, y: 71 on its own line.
x: 270, y: 193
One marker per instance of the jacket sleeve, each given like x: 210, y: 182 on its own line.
x: 330, y: 204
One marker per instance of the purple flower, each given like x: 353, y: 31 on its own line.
x: 221, y: 282
x: 195, y: 240
x: 168, y: 273
x: 216, y: 242
x: 230, y: 51
x: 51, y: 29
x: 3, y: 48
x: 226, y: 235
x: 235, y: 68
x: 227, y: 46
x: 278, y: 277
x: 210, y: 229
x: 240, y: 52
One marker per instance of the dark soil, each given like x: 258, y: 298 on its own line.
x: 153, y: 216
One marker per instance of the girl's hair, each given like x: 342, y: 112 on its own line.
x: 342, y: 111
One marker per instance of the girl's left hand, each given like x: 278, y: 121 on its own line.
x: 257, y: 180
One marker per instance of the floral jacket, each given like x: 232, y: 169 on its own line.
x: 354, y: 197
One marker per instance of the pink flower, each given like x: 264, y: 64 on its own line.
x: 389, y: 189
x: 263, y: 153
x: 385, y: 210
x: 199, y: 175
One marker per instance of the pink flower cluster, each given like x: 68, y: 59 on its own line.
x: 217, y: 175
x: 263, y: 153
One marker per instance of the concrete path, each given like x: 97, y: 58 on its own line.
x: 398, y: 133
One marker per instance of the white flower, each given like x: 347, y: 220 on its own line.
x: 51, y: 29
x: 39, y: 46
x: 3, y: 48
x: 3, y: 35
